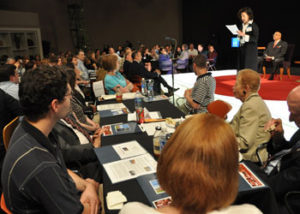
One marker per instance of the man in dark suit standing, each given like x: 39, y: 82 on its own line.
x: 274, y: 54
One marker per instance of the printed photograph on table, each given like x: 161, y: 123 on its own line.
x: 122, y: 127
x: 107, y: 130
x: 162, y: 202
x: 249, y: 177
x: 156, y: 187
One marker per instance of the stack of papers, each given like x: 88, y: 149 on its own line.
x: 114, y: 106
x: 129, y: 149
x: 130, y: 168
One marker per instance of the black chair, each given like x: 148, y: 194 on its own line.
x: 291, y: 201
x: 286, y: 64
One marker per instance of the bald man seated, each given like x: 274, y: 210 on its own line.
x: 282, y: 170
x: 274, y: 54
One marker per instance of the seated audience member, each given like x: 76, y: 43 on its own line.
x: 154, y: 53
x: 137, y: 71
x: 183, y: 59
x: 201, y: 50
x: 274, y: 54
x: 177, y: 52
x: 34, y: 176
x: 201, y: 179
x: 165, y: 62
x: 212, y: 55
x: 77, y: 147
x: 192, y: 51
x: 9, y: 80
x: 53, y: 60
x: 184, y: 53
x: 127, y: 62
x: 78, y: 107
x: 281, y: 171
x: 147, y: 55
x: 10, y: 61
x: 248, y: 123
x: 114, y: 79
x: 80, y: 65
x: 9, y: 109
x: 198, y: 97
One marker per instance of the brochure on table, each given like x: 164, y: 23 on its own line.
x: 114, y: 112
x: 153, y: 191
x: 130, y: 168
x: 248, y: 180
x: 121, y: 128
x: 113, y: 106
x: 107, y: 154
x: 125, y: 161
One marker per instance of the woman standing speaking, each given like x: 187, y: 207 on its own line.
x: 248, y: 35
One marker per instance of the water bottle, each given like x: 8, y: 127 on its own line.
x: 138, y: 101
x: 144, y: 87
x: 138, y: 104
x: 163, y: 139
x: 156, y: 141
x: 150, y: 91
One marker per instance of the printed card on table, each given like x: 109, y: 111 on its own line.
x: 156, y: 187
x: 250, y: 177
x: 160, y: 203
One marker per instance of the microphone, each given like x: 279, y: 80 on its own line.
x: 170, y: 38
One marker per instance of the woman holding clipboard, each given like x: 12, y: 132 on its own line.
x: 248, y: 35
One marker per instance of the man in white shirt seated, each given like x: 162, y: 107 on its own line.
x: 192, y: 51
x: 9, y: 80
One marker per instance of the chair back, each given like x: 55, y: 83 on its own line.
x: 8, y: 131
x: 289, y: 53
x: 3, y: 205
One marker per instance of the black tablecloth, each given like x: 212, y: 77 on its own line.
x: 263, y: 198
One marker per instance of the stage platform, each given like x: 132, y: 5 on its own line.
x: 278, y: 109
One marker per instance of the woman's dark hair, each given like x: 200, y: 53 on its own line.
x: 247, y: 10
x: 39, y: 88
x: 71, y: 76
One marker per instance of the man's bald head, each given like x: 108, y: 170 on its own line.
x: 293, y: 101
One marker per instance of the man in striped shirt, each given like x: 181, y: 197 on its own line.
x: 198, y: 97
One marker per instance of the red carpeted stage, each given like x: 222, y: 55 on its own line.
x: 270, y: 89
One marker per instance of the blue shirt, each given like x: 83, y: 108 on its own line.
x: 10, y: 88
x: 111, y: 81
x: 83, y: 69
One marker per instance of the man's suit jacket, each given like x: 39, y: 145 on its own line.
x: 248, y: 125
x: 287, y: 177
x: 278, y: 51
